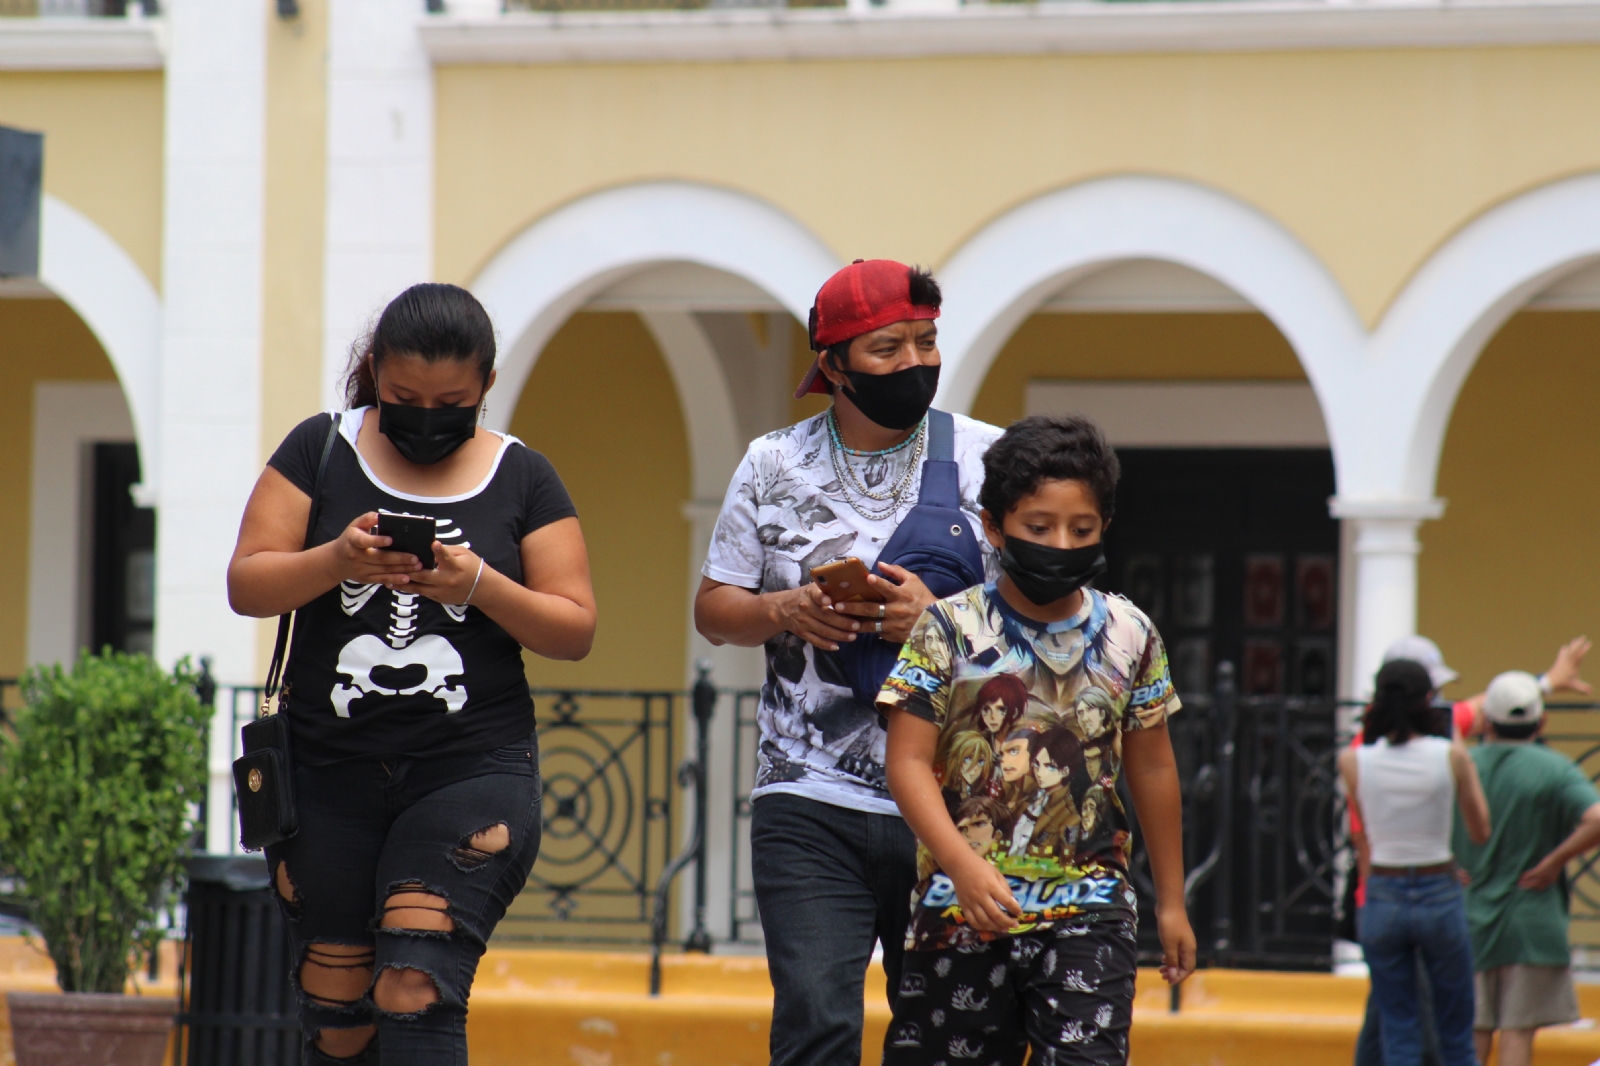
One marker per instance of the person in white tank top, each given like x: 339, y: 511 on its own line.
x: 1404, y: 786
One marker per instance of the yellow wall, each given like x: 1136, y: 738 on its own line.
x: 296, y: 132
x: 1372, y: 158
x: 1126, y: 347
x: 102, y: 149
x: 601, y: 405
x: 40, y: 340
x: 1512, y: 570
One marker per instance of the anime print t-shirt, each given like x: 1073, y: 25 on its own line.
x: 786, y: 512
x: 1030, y: 718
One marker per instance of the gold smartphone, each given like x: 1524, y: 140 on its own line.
x: 845, y: 581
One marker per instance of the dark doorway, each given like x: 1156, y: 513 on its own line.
x: 124, y: 589
x: 1233, y: 555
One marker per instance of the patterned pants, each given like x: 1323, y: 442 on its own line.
x: 1067, y: 992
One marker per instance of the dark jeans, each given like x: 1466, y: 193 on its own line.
x: 371, y: 828
x: 1408, y: 919
x: 1369, y: 1045
x: 829, y: 883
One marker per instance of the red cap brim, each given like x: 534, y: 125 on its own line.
x: 813, y: 381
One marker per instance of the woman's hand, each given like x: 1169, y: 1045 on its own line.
x: 907, y: 598
x: 359, y: 556
x: 986, y: 900
x: 453, y: 579
x: 808, y: 614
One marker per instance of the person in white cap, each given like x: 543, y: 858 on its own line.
x: 1467, y: 714
x: 1466, y: 719
x: 1545, y: 812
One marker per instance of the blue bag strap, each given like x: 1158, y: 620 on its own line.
x: 941, y: 436
x: 941, y: 484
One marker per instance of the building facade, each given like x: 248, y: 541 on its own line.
x: 1339, y: 262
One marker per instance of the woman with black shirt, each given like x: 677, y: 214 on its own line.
x: 415, y: 761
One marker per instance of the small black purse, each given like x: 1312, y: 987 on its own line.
x: 263, y: 777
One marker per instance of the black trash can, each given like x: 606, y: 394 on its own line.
x: 238, y: 1006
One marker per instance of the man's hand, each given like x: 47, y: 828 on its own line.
x: 1563, y: 673
x: 1541, y: 876
x: 907, y: 597
x: 809, y: 615
x: 986, y: 899
x: 1177, y: 944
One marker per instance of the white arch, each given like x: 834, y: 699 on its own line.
x: 1435, y: 331
x: 90, y: 272
x: 1009, y: 268
x: 549, y: 270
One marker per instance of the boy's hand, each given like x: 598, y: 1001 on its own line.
x: 1177, y: 944
x: 986, y: 899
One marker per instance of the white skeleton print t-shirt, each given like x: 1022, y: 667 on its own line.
x: 377, y: 671
x: 786, y: 512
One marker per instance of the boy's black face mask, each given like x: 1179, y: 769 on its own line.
x: 425, y: 435
x: 1044, y: 574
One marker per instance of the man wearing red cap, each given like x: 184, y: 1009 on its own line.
x: 834, y: 863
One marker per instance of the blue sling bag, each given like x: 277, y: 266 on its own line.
x: 935, y: 541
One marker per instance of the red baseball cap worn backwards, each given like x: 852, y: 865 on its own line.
x: 866, y: 295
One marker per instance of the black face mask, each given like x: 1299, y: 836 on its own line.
x: 425, y: 435
x: 897, y: 400
x: 1044, y: 574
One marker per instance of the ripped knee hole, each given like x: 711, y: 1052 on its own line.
x: 481, y: 846
x: 345, y: 1043
x: 285, y: 885
x: 404, y: 990
x: 411, y: 906
x: 336, y: 975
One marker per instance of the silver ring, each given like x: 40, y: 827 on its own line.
x: 883, y: 610
x: 877, y: 627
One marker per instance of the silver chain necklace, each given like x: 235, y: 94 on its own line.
x: 852, y: 485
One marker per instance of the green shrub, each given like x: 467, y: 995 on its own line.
x: 98, y: 787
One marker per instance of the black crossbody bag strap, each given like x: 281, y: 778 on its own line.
x: 275, y: 670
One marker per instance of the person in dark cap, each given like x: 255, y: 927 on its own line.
x: 834, y: 863
x: 1405, y: 784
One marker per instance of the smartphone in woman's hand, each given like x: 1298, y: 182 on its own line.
x: 413, y: 534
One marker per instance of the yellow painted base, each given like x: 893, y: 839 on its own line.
x: 571, y: 1008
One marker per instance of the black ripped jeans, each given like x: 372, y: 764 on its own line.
x: 371, y: 829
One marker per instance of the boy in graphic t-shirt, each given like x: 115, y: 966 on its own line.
x: 1023, y: 924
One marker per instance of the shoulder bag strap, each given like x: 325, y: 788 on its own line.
x: 286, y: 621
x: 941, y: 436
x: 941, y: 480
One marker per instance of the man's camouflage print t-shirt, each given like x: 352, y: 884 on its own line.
x: 1030, y: 719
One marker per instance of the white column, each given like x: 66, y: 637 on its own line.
x: 1383, y: 550
x: 379, y: 236
x: 208, y: 413
x: 210, y: 378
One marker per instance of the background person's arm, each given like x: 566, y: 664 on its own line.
x: 1469, y: 794
x: 1152, y: 776
x: 1348, y: 771
x: 1584, y: 838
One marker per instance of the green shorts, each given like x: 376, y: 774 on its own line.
x: 1525, y: 997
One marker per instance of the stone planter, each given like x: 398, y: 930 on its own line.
x: 89, y: 1028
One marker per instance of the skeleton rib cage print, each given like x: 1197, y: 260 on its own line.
x: 378, y: 671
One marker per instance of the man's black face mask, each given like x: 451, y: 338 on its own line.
x: 425, y: 435
x: 896, y: 400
